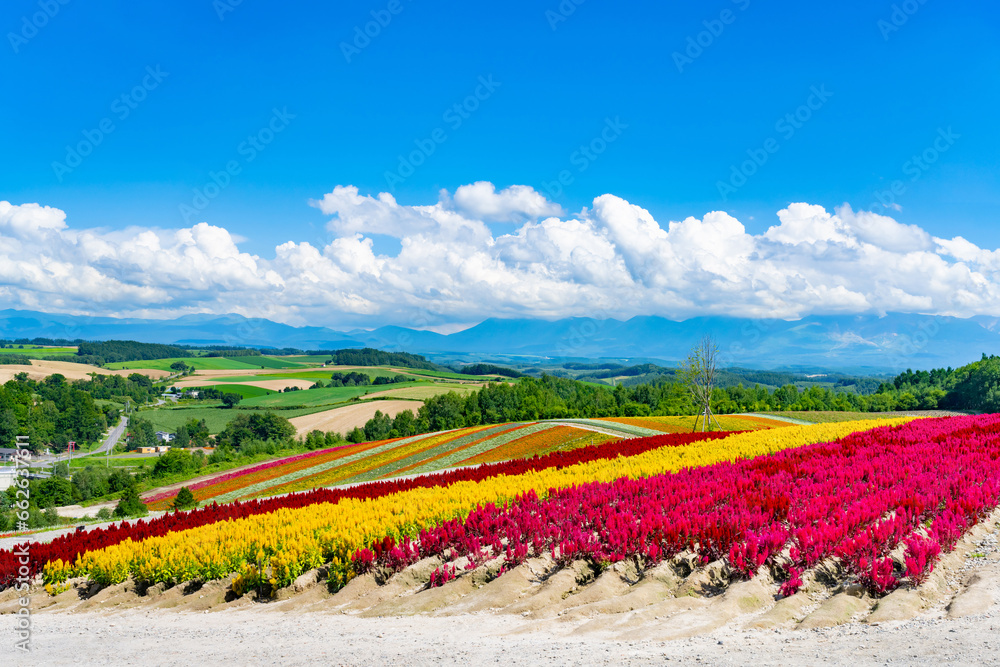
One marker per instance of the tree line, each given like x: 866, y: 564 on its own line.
x: 974, y: 387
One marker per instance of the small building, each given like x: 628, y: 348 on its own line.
x: 163, y: 436
x: 7, y: 477
x: 7, y: 454
x: 162, y: 448
x: 146, y: 450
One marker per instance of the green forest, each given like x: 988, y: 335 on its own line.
x: 55, y: 411
x: 975, y: 387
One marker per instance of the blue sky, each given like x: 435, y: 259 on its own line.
x: 895, y: 78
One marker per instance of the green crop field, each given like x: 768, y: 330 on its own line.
x: 269, y: 362
x: 201, y: 363
x: 169, y: 419
x: 244, y: 390
x: 113, y: 462
x: 307, y: 359
x: 41, y: 351
x: 312, y: 375
x: 311, y: 397
x: 208, y: 363
x: 453, y: 376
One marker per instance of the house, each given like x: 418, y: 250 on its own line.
x: 163, y: 436
x: 7, y: 454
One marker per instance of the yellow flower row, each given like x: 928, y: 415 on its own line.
x: 279, y: 546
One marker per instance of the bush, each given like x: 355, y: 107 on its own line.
x: 51, y: 516
x: 104, y: 514
x: 176, y: 461
x: 130, y: 505
x: 258, y: 426
x: 184, y: 500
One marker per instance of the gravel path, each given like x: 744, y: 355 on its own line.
x: 257, y: 637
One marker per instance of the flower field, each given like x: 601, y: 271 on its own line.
x: 69, y: 547
x: 272, y: 542
x: 422, y: 454
x: 687, y: 424
x: 553, y: 439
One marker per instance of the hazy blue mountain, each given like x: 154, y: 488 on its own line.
x: 895, y: 341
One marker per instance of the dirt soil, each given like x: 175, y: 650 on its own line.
x: 678, y: 612
x: 342, y: 420
x: 273, y: 385
x: 41, y: 369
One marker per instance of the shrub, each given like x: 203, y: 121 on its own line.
x: 184, y: 500
x: 104, y: 514
x: 130, y: 505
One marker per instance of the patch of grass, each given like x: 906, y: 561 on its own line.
x: 244, y: 390
x: 208, y: 363
x: 36, y: 351
x: 201, y: 363
x: 99, y: 460
x: 169, y: 419
x: 309, y: 397
x: 269, y: 362
x: 308, y: 359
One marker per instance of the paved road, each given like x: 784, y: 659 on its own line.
x: 109, y: 442
x: 113, y: 437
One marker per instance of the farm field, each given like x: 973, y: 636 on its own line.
x: 42, y: 368
x: 715, y: 530
x: 170, y: 419
x: 209, y: 363
x: 414, y: 455
x: 251, y: 374
x: 251, y: 390
x: 229, y: 384
x: 420, y: 503
x: 39, y: 351
x: 425, y: 391
x: 314, y: 397
x: 343, y: 419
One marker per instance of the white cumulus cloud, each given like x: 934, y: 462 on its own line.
x: 613, y: 259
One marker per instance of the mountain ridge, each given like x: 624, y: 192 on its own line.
x: 893, y: 341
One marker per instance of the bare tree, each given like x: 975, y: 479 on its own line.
x: 698, y: 373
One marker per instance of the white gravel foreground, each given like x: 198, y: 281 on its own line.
x: 260, y: 637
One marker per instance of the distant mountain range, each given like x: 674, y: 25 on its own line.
x: 892, y: 342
